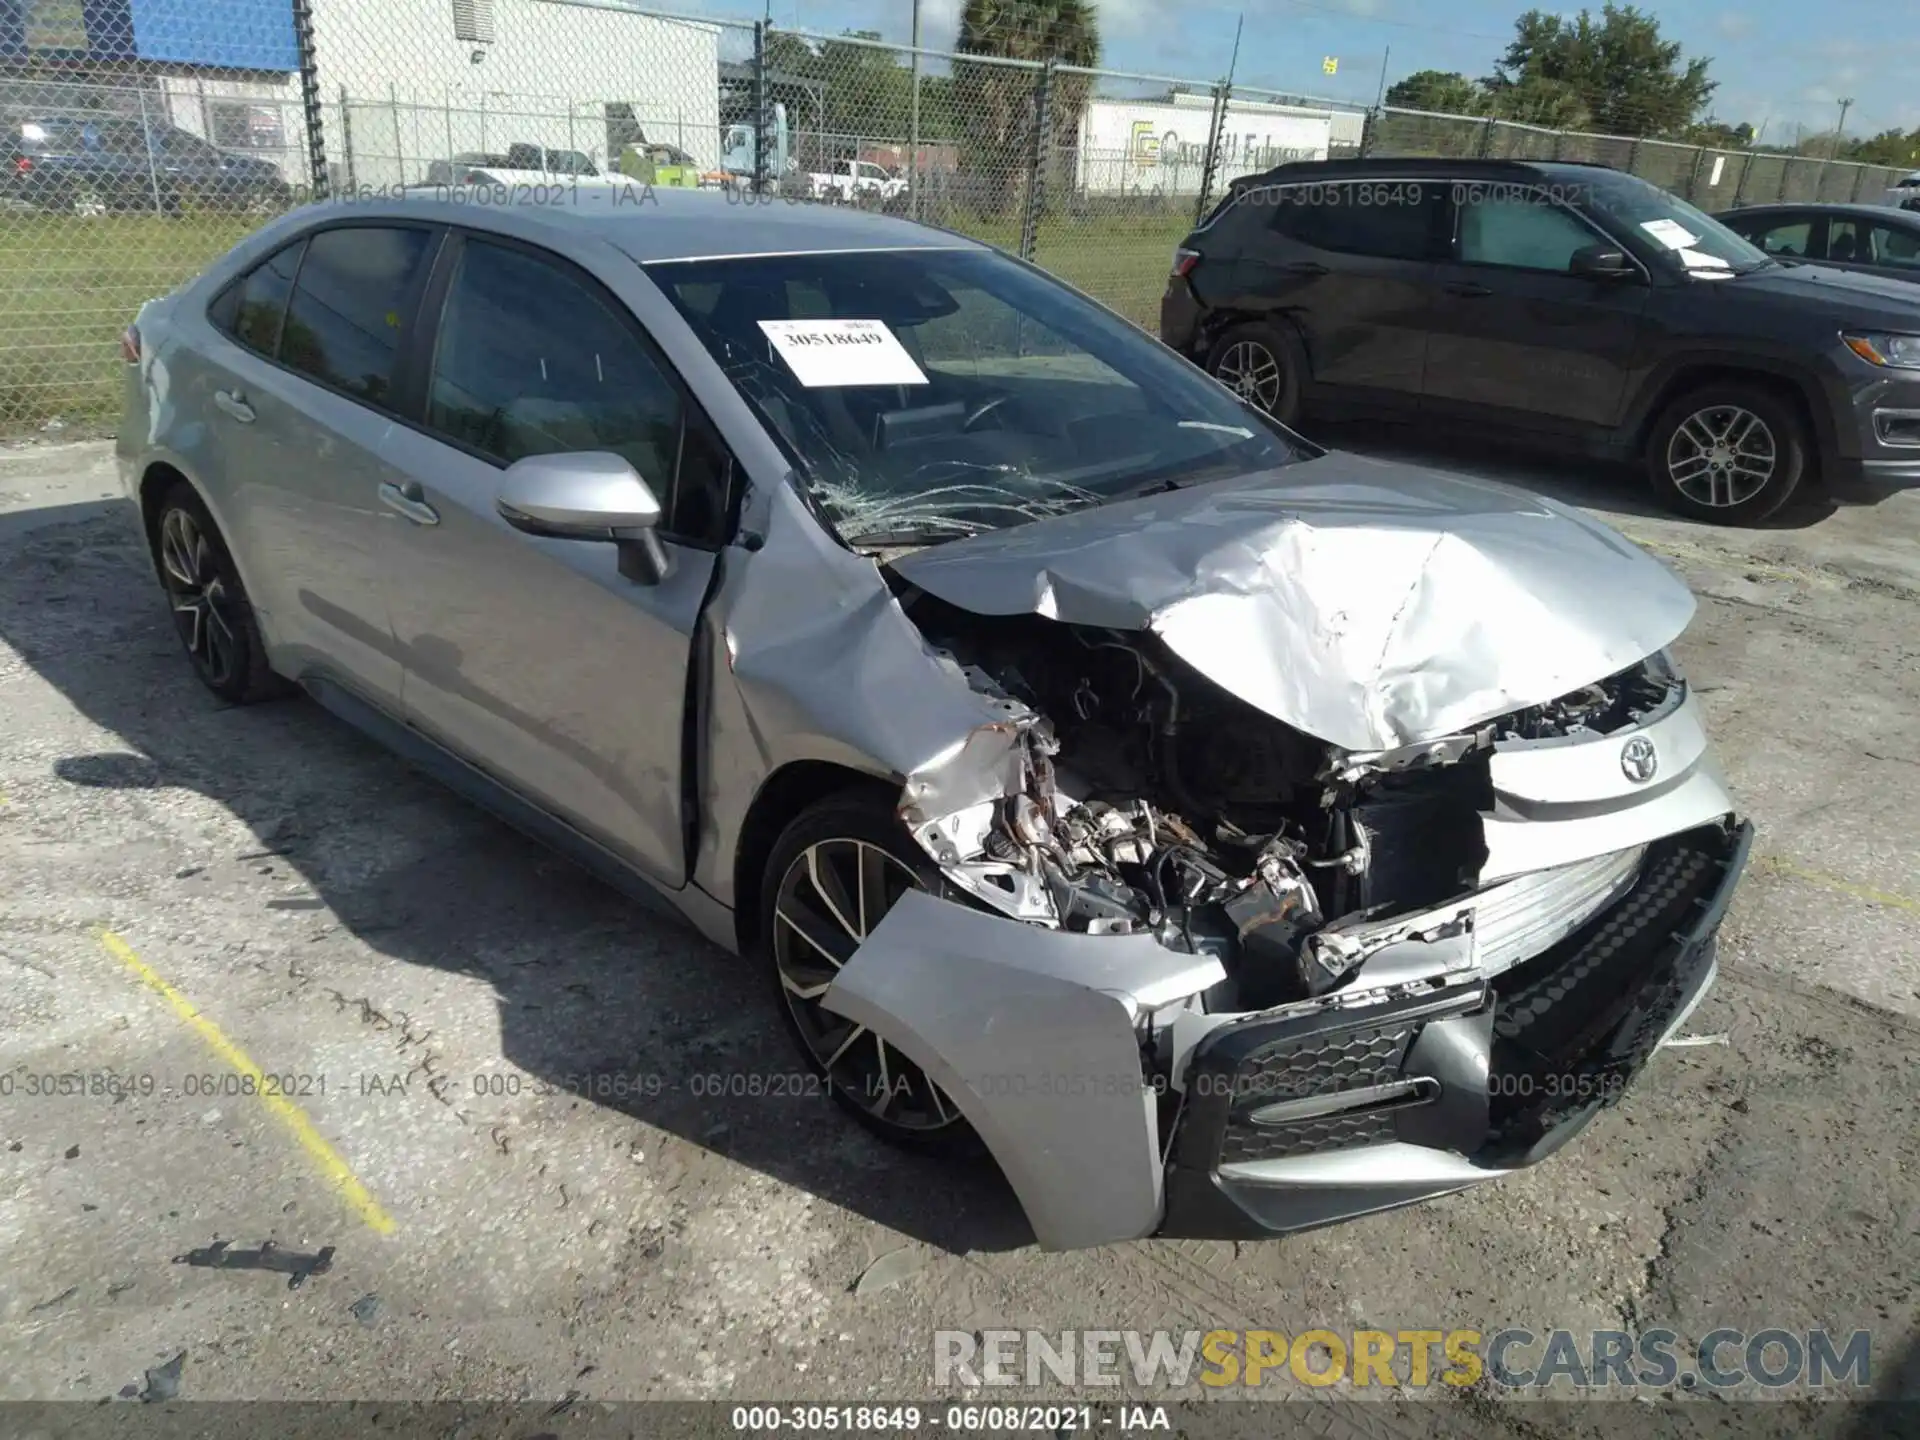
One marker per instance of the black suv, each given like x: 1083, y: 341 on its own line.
x: 1572, y: 304
x: 90, y: 163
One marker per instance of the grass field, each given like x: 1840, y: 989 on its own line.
x: 68, y: 287
x: 70, y: 284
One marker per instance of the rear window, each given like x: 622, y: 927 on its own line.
x: 252, y: 308
x: 926, y: 395
x: 355, y: 294
x: 1384, y: 219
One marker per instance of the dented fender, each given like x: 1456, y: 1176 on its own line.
x: 1032, y: 1034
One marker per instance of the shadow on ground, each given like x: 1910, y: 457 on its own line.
x: 587, y: 982
x: 1591, y: 484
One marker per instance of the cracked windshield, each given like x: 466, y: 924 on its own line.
x: 926, y: 395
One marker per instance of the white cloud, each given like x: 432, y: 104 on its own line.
x: 1127, y: 17
x: 940, y: 19
x: 1733, y: 24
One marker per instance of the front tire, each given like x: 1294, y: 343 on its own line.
x: 211, y: 612
x: 835, y: 871
x: 1729, y: 454
x: 1263, y: 365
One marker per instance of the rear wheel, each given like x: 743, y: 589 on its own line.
x: 84, y: 199
x: 1262, y: 364
x: 833, y: 874
x: 1729, y: 454
x: 211, y: 613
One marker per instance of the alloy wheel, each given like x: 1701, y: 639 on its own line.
x: 1722, y: 456
x: 202, y: 605
x: 87, y: 202
x: 1250, y: 370
x: 831, y: 897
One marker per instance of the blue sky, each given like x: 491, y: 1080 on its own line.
x: 1784, y: 62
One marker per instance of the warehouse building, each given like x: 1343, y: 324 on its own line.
x: 403, y: 83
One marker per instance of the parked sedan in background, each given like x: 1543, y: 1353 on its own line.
x: 1573, y: 306
x: 91, y: 164
x: 1232, y: 836
x: 1871, y: 238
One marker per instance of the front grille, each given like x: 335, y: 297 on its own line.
x: 1314, y: 1066
x: 1575, y: 1025
x: 1266, y: 1064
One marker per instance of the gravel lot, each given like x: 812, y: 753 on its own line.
x: 497, y: 1234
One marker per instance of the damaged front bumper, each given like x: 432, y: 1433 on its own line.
x: 1116, y: 1114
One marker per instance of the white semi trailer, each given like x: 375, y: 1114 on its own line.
x: 1147, y: 147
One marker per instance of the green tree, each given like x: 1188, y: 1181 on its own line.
x: 866, y: 92
x: 1630, y: 79
x: 1719, y: 136
x: 1443, y: 92
x: 996, y: 103
x: 1536, y: 100
x: 1890, y: 147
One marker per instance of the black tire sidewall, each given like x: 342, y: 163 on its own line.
x: 862, y: 814
x: 1792, y: 447
x: 251, y: 680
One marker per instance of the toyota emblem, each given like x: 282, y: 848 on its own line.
x: 1639, y: 760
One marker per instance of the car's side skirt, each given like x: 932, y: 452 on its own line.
x: 690, y: 904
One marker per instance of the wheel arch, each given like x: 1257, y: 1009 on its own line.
x: 156, y: 479
x: 159, y: 474
x: 784, y: 794
x: 1218, y: 322
x: 1696, y: 373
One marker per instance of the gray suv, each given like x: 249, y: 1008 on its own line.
x: 1570, y: 305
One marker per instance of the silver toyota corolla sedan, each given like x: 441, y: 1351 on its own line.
x: 1230, y: 836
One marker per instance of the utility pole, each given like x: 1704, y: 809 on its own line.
x: 1845, y: 105
x: 1381, y: 98
x: 913, y: 124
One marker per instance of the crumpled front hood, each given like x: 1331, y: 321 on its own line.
x: 1370, y: 604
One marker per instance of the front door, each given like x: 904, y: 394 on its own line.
x: 535, y: 659
x: 1518, y: 339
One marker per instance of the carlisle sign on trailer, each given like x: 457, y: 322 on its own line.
x: 1153, y: 146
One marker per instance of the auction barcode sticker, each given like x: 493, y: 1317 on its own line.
x: 842, y: 352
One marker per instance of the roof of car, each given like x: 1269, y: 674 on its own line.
x: 1817, y: 207
x: 1418, y: 167
x: 661, y: 224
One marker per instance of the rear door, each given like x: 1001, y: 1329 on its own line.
x: 536, y: 659
x: 1517, y: 339
x: 1351, y: 266
x: 1857, y: 242
x: 299, y: 402
x: 190, y: 168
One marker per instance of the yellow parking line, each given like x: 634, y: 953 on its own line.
x: 1835, y: 883
x: 337, y: 1171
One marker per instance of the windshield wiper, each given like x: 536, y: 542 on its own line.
x: 902, y: 539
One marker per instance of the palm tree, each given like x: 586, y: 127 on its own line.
x: 996, y: 103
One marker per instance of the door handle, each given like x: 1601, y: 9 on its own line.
x: 410, y: 500
x: 1305, y: 267
x: 234, y: 402
x: 1466, y: 289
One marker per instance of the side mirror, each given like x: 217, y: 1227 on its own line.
x: 1601, y: 262
x: 588, y: 495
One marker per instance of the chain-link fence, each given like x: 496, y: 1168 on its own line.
x: 139, y: 139
x: 1713, y: 179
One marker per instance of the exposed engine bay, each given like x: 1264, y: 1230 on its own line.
x: 1152, y: 801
